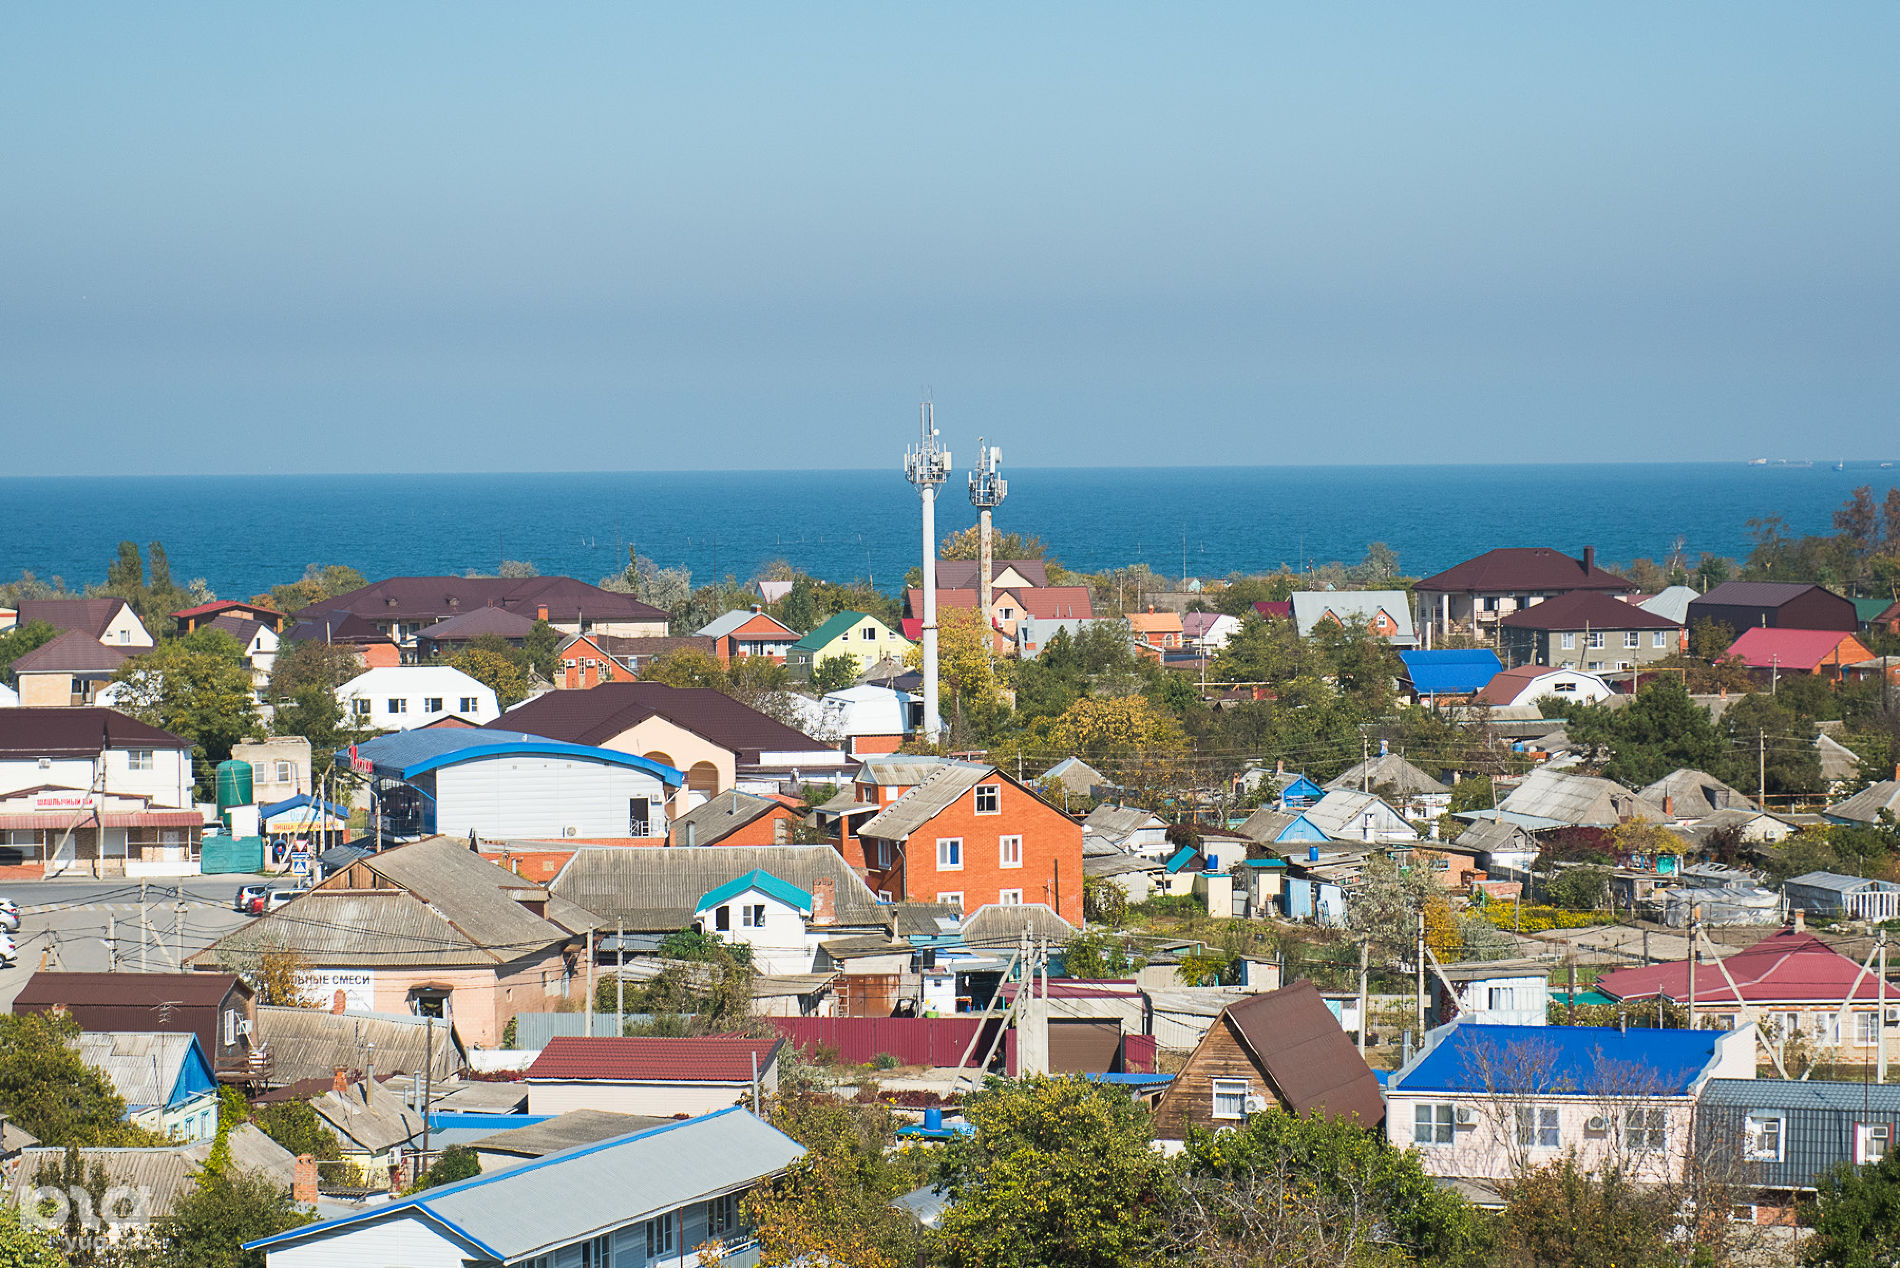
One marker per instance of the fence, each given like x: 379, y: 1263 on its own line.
x: 926, y: 1041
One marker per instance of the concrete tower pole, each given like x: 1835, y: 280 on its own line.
x: 926, y: 466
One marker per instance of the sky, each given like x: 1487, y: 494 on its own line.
x: 492, y: 237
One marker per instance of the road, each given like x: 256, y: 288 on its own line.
x: 68, y: 923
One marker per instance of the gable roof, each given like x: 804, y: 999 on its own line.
x: 557, y: 1200
x: 1560, y: 798
x: 1696, y: 793
x: 1586, y: 608
x: 1757, y: 594
x: 257, y: 610
x: 89, y: 616
x: 1267, y: 825
x: 142, y: 1066
x: 1559, y: 1060
x: 1387, y: 772
x: 404, y: 755
x: 1865, y: 806
x: 410, y: 599
x: 155, y: 992
x: 334, y: 625
x: 994, y: 925
x: 482, y: 621
x: 83, y: 732
x: 714, y: 1059
x: 1785, y: 966
x: 961, y: 574
x: 722, y: 815
x: 1522, y: 568
x: 1302, y: 1051
x: 1766, y: 647
x: 654, y: 891
x: 927, y: 800
x: 74, y: 652
x: 837, y: 624
x: 1509, y: 684
x: 313, y: 1043
x: 1450, y: 671
x: 763, y: 881
x: 1310, y: 607
x: 726, y: 623
x: 1672, y: 604
x: 599, y: 714
x: 376, y: 1120
x: 1339, y: 811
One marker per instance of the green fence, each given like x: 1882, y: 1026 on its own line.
x: 232, y: 854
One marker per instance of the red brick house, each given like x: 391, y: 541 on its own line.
x: 736, y: 818
x: 969, y: 834
x: 750, y: 633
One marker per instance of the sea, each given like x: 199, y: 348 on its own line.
x: 243, y: 534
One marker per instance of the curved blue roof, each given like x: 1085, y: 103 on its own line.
x: 403, y: 755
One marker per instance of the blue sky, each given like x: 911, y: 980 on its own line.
x: 464, y: 236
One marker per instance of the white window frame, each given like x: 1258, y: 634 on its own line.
x: 138, y: 759
x: 1568, y: 642
x: 722, y: 1215
x: 1596, y: 638
x: 994, y: 797
x: 949, y: 854
x: 952, y: 897
x: 283, y: 771
x: 1646, y: 1128
x: 752, y: 916
x: 1866, y: 1029
x: 1434, y: 1123
x: 1659, y: 638
x: 662, y: 1236
x: 1539, y: 1127
x: 1872, y: 1141
x: 1009, y: 851
x: 598, y: 1252
x: 1229, y: 1091
x: 1757, y: 1127
x: 1632, y: 639
x: 1009, y: 898
x: 883, y: 855
x: 1500, y: 998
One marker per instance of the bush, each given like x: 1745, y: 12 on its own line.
x: 885, y: 1061
x: 457, y: 1162
x: 1539, y: 917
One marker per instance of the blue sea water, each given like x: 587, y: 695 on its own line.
x: 243, y: 534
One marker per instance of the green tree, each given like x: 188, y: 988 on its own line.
x: 1856, y: 1217
x: 834, y: 1204
x: 1659, y: 731
x: 319, y: 582
x: 208, y: 1226
x: 1097, y: 956
x: 295, y: 1126
x: 457, y: 1162
x: 47, y: 1090
x: 495, y: 669
x: 834, y: 673
x: 22, y: 1247
x: 1562, y: 1216
x: 196, y: 687
x: 543, y: 650
x: 22, y: 639
x: 1059, y: 1171
x: 1579, y: 888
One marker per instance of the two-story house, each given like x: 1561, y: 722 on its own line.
x: 94, y: 790
x: 1588, y: 630
x: 1475, y: 595
x: 1785, y: 605
x: 403, y: 697
x: 399, y: 608
x: 1780, y: 1137
x: 753, y: 632
x: 108, y: 620
x: 71, y: 671
x: 1387, y: 614
x: 865, y: 639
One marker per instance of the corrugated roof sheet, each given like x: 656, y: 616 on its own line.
x: 1578, y: 800
x: 82, y: 732
x: 161, y: 1176
x: 1450, y: 671
x: 656, y: 1060
x: 470, y: 625
x: 143, y: 1067
x: 761, y: 880
x: 1696, y: 793
x: 406, y: 754
x: 74, y: 652
x: 90, y: 616
x: 1388, y: 773
x: 155, y: 991
x: 1521, y: 568
x: 1339, y: 813
x: 1581, y: 609
x: 1672, y: 604
x: 1312, y: 1063
x: 564, y: 1131
x: 659, y: 890
x: 1882, y: 1100
x: 925, y: 802
x: 411, y: 599
x: 599, y: 714
x: 1560, y: 1060
x: 720, y: 816
x: 1756, y: 593
x: 1785, y: 967
x: 375, y: 1123
x: 1763, y: 647
x: 314, y: 1043
x: 1865, y: 806
x: 994, y: 925
x: 1310, y: 607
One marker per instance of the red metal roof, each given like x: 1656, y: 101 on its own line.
x: 708, y: 1060
x: 1586, y: 608
x: 1523, y: 568
x: 1786, y: 968
x: 1767, y: 648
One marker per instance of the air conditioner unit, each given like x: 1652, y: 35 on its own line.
x: 571, y: 830
x: 1597, y: 1123
x: 1466, y: 1114
x: 1893, y: 1016
x: 1256, y: 1103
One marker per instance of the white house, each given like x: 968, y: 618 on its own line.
x: 866, y: 719
x: 403, y: 697
x: 1208, y: 632
x: 1491, y: 993
x: 651, y: 1197
x: 1386, y: 613
x: 765, y: 913
x: 1345, y: 815
x: 1528, y: 684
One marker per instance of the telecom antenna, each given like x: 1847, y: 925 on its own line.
x: 987, y: 490
x: 927, y: 466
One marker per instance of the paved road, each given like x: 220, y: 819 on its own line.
x: 67, y: 923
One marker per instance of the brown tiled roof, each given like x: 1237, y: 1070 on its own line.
x: 334, y: 626
x: 76, y: 733
x: 437, y: 598
x: 1300, y: 1046
x: 1586, y: 608
x: 489, y: 620
x: 1523, y: 568
x: 708, y: 1060
x: 241, y: 628
x: 74, y: 652
x: 961, y: 574
x: 1752, y: 594
x: 90, y: 615
x: 153, y: 991
x: 623, y: 647
x: 597, y: 715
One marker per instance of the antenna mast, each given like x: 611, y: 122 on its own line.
x: 927, y: 466
x: 987, y: 489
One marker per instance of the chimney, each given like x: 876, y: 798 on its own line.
x: 337, y: 1005
x: 541, y: 613
x: 756, y: 609
x: 1279, y: 765
x: 340, y: 1079
x: 303, y: 1184
x: 1800, y: 920
x: 1589, y: 558
x: 824, y: 901
x: 1669, y: 806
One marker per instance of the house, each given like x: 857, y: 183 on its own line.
x: 1747, y: 605
x: 1282, y: 827
x: 1554, y: 799
x: 1077, y: 777
x: 1131, y: 828
x: 868, y: 720
x: 660, y: 1077
x: 753, y: 632
x: 142, y: 1184
x: 105, y: 620
x: 373, y: 647
x: 1588, y: 630
x: 649, y: 1197
x: 1489, y: 993
x: 1156, y: 629
x: 1671, y: 603
x: 308, y: 1045
x: 1527, y: 684
x: 458, y: 780
x: 1386, y: 614
x: 258, y: 643
x: 218, y: 1010
x: 587, y: 660
x: 1865, y: 806
x: 1485, y: 1102
x: 1283, y: 1048
x: 1787, y: 984
x: 717, y: 741
x: 970, y: 835
x: 1782, y: 1136
x: 1034, y: 633
x: 1752, y: 825
x: 512, y: 1146
x: 760, y: 911
x: 372, y: 1121
x: 204, y: 614
x: 1396, y: 780
x: 1005, y: 574
x: 864, y: 639
x: 164, y: 1078
x: 1316, y: 884
x: 402, y: 697
x: 736, y: 818
x: 1208, y: 632
x: 1349, y: 815
x: 1476, y: 594
x: 93, y: 789
x: 1687, y: 795
x: 430, y: 928
x: 280, y: 766
x: 1771, y: 652
x: 1448, y: 674
x: 1138, y: 878
x: 1831, y: 896
x: 1274, y: 609
x: 1296, y: 791
x: 454, y: 634
x: 1500, y: 846
x: 69, y: 671
x: 401, y: 607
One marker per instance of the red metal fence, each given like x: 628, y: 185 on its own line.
x: 931, y: 1041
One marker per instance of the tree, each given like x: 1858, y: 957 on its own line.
x: 1581, y: 888
x: 834, y: 1204
x: 834, y: 673
x: 494, y: 669
x: 319, y: 582
x: 47, y: 1090
x: 457, y: 1162
x: 543, y: 649
x: 1561, y: 1216
x: 295, y: 1126
x: 1058, y: 1171
x: 1856, y: 1217
x: 966, y: 543
x: 1385, y: 908
x: 22, y: 639
x: 196, y: 687
x: 1659, y: 731
x: 208, y: 1226
x: 1097, y: 956
x: 23, y: 1247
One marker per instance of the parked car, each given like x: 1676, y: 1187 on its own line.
x: 250, y: 899
x: 9, y: 953
x: 280, y: 898
x: 9, y: 921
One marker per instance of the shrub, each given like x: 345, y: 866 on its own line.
x: 1539, y: 917
x: 885, y: 1061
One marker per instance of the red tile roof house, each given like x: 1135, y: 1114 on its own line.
x: 1788, y: 983
x: 1476, y: 594
x: 1770, y: 652
x: 400, y: 607
x: 109, y: 620
x: 658, y: 1077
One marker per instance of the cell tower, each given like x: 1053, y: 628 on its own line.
x: 927, y: 466
x: 987, y: 490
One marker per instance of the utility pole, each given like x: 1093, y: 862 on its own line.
x: 1880, y: 1013
x: 112, y: 943
x: 1362, y: 996
x: 1761, y: 768
x: 587, y: 1026
x: 1420, y: 1002
x: 620, y: 978
x: 1695, y: 931
x: 178, y: 934
x: 145, y: 932
x: 926, y: 466
x: 428, y: 1080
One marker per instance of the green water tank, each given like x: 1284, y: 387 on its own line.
x: 234, y: 785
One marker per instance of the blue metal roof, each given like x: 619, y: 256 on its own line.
x: 761, y: 880
x: 1561, y: 1060
x: 1182, y: 857
x: 403, y: 755
x: 298, y: 802
x: 1302, y: 787
x: 1451, y: 671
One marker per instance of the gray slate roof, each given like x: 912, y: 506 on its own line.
x: 924, y: 802
x: 1577, y: 800
x: 143, y: 1067
x: 1838, y: 762
x: 1389, y: 772
x: 1339, y: 812
x: 162, y: 1175
x: 1882, y: 1099
x: 998, y: 926
x: 562, y: 1132
x: 1310, y: 607
x: 1697, y: 793
x: 1118, y: 823
x: 659, y: 890
x: 721, y: 816
x: 1266, y: 824
x: 372, y: 1125
x: 314, y: 1043
x: 1865, y: 806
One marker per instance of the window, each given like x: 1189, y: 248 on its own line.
x: 1646, y: 1128
x: 1866, y: 1028
x: 752, y: 916
x: 868, y: 633
x: 884, y: 895
x: 1742, y: 1213
x: 1596, y: 638
x: 722, y: 1215
x: 138, y: 759
x: 283, y: 773
x: 1763, y: 1134
x: 468, y: 704
x: 360, y: 708
x: 722, y: 919
x: 1230, y: 1098
x: 883, y: 855
x: 125, y: 636
x: 989, y: 799
x: 1568, y: 642
x: 1432, y: 1125
x: 949, y: 854
x: 432, y: 704
x: 1499, y: 997
x: 639, y: 816
x: 1009, y: 897
x: 1009, y: 851
x: 398, y: 704
x: 661, y: 1235
x: 1631, y: 638
x: 1659, y: 638
x: 597, y: 1252
x: 1564, y: 688
x: 1537, y: 1127
x: 1871, y: 1141
x: 953, y: 897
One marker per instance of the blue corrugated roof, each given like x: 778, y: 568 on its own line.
x: 1182, y: 857
x: 298, y: 802
x: 1562, y: 1060
x: 1451, y: 671
x: 761, y: 880
x: 406, y: 754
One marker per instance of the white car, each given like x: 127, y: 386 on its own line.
x: 8, y: 952
x: 9, y: 921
